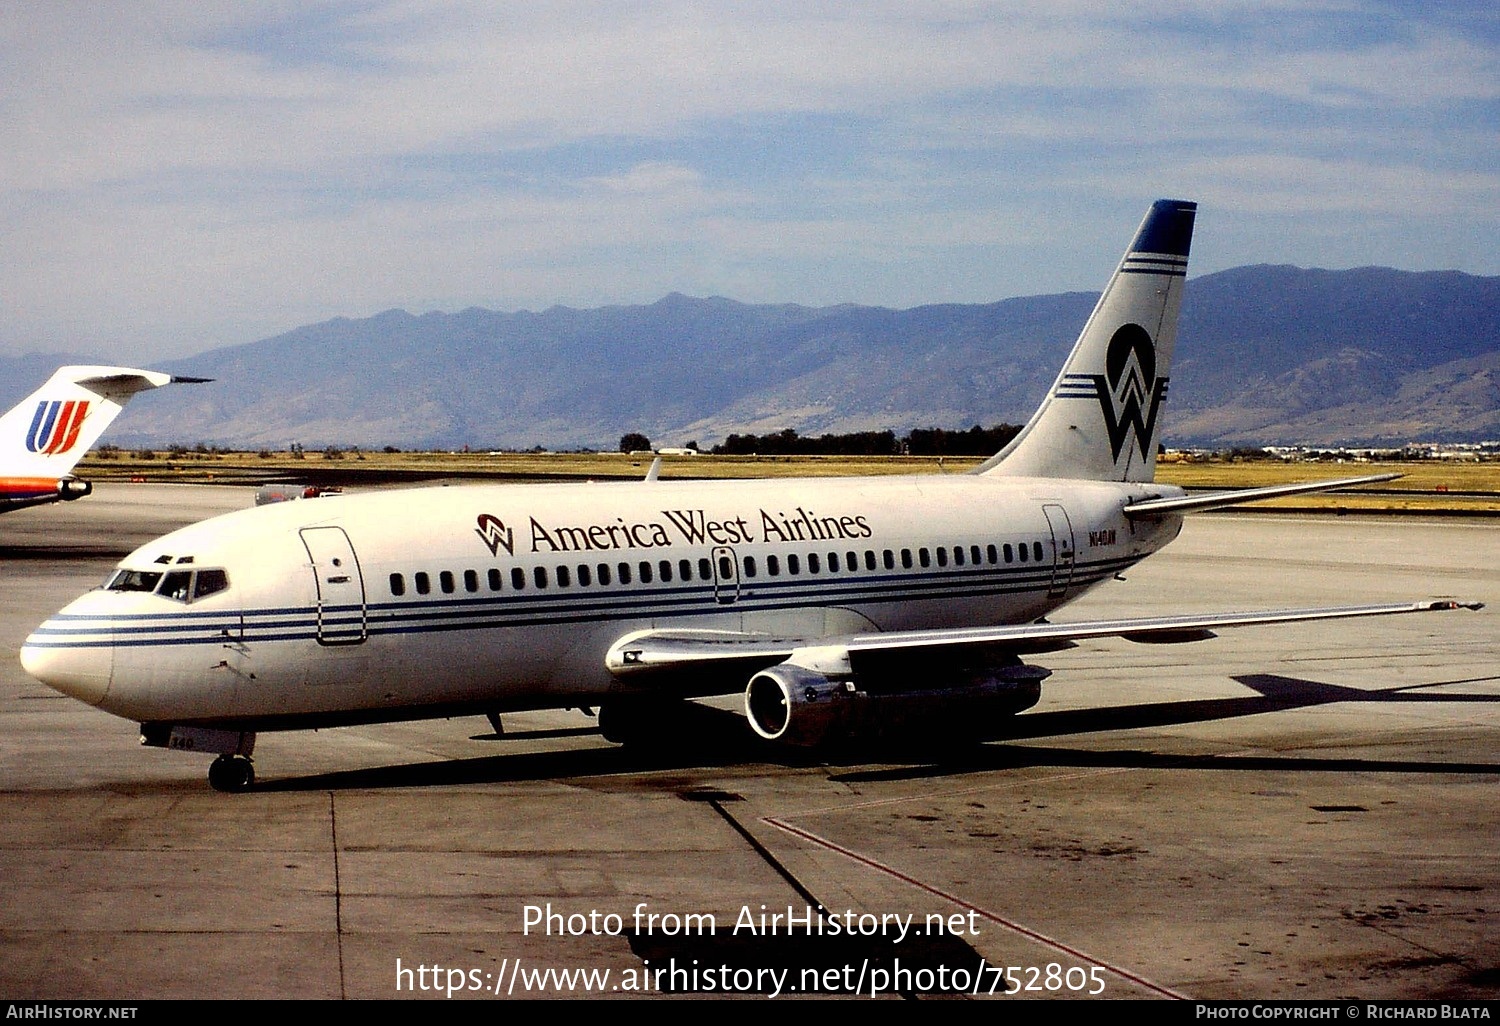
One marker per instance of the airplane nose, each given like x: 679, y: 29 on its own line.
x: 82, y: 672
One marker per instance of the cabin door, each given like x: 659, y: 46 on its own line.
x: 1062, y: 549
x: 341, y: 586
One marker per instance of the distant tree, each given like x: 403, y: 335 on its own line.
x: 107, y: 452
x: 634, y: 441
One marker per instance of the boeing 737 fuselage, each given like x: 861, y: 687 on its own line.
x: 846, y: 609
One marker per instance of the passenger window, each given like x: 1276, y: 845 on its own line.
x: 813, y: 566
x: 706, y: 569
x: 211, y: 582
x: 958, y: 555
x: 604, y: 574
x: 539, y: 575
x: 906, y: 559
x: 624, y: 573
x: 563, y: 577
x: 869, y: 560
x: 517, y: 578
x: 445, y: 581
x: 424, y: 583
x: 665, y: 567
x: 398, y: 585
x: 684, y: 569
x: 645, y: 572
x: 1036, y: 551
x: 471, y: 580
x: 773, y: 566
x: 942, y: 556
x: 749, y: 566
x: 924, y: 557
x: 585, y: 578
x: 890, y: 560
x: 793, y: 564
x: 974, y: 554
x: 1022, y: 550
x: 1009, y: 558
x: 494, y: 578
x: 726, y: 568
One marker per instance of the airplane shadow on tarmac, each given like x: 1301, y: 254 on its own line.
x: 700, y: 736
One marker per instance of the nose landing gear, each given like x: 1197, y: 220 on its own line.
x: 231, y: 774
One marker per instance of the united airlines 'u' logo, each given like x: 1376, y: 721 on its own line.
x: 55, y: 427
x: 1128, y: 392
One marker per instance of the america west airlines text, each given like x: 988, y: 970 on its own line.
x: 677, y: 526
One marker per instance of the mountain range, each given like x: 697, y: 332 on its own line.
x: 1265, y: 354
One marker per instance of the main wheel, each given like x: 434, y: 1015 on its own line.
x: 231, y: 774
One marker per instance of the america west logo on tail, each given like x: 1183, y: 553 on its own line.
x: 1129, y: 393
x: 55, y: 427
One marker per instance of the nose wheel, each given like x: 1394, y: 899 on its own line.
x: 232, y: 774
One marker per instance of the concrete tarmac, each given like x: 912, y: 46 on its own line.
x: 1283, y: 812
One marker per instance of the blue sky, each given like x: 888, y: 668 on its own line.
x: 180, y: 176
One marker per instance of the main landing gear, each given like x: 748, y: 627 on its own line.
x: 232, y: 773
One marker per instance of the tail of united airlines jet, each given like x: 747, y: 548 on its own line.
x: 1101, y: 419
x: 43, y: 438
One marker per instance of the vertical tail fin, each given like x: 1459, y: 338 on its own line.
x: 48, y: 433
x: 1100, y: 420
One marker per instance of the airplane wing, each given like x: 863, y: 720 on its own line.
x: 669, y: 651
x: 1218, y: 500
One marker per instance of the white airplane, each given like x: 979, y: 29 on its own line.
x: 43, y: 438
x: 846, y: 609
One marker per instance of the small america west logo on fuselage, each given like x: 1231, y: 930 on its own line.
x: 1128, y: 386
x: 55, y: 427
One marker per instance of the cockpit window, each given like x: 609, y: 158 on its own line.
x: 134, y: 580
x: 179, y: 585
x: 209, y: 582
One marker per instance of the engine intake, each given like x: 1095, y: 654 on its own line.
x: 970, y: 699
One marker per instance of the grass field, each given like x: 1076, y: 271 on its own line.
x: 1427, y: 486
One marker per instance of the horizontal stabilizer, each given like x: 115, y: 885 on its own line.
x: 1219, y: 500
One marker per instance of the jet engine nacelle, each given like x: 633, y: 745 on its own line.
x: 70, y: 488
x: 971, y: 699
